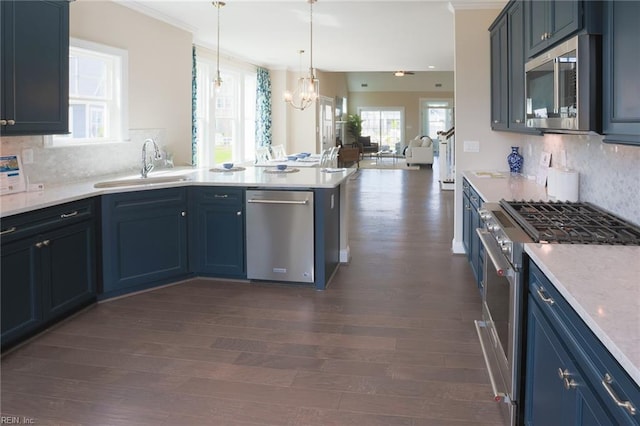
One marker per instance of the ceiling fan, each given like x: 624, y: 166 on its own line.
x: 403, y: 73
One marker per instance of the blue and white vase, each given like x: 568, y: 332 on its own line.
x: 515, y: 160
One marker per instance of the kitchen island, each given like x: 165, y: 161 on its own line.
x: 119, y: 238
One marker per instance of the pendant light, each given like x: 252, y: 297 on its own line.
x: 308, y: 88
x: 218, y: 80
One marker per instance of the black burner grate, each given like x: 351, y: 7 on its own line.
x: 567, y: 222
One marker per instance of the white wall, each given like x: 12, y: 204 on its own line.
x: 159, y: 95
x: 473, y: 105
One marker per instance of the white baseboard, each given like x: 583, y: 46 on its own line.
x: 457, y: 247
x: 345, y: 255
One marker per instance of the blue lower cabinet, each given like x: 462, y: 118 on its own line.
x: 49, y: 267
x: 217, y: 232
x: 144, y: 239
x: 556, y: 393
x: 566, y: 367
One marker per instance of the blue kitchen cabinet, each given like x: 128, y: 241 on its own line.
x: 567, y: 366
x: 471, y: 220
x: 621, y: 62
x: 515, y: 63
x: 556, y: 391
x: 499, y: 74
x: 466, y: 218
x: 548, y: 22
x: 35, y: 67
x: 217, y: 231
x: 144, y: 237
x: 48, y: 267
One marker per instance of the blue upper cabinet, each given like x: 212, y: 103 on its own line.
x: 34, y: 67
x: 621, y: 68
x: 550, y: 21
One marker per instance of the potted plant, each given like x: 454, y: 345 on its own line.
x: 354, y: 126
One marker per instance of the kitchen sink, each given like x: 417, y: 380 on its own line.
x: 140, y: 181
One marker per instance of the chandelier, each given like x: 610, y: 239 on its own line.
x: 218, y: 80
x: 308, y: 88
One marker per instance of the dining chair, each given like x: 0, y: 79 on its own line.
x: 278, y: 152
x: 263, y: 154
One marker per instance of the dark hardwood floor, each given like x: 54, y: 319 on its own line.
x: 391, y: 342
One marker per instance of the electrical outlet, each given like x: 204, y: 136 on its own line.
x: 27, y: 156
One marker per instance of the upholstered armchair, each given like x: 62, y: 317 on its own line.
x: 366, y: 146
x: 419, y: 151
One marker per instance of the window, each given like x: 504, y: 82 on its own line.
x: 225, y: 117
x: 97, y: 94
x: 437, y: 116
x: 384, y: 125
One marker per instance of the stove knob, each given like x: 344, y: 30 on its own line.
x: 492, y: 227
x: 505, y: 247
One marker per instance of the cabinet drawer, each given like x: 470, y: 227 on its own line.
x: 225, y: 195
x: 466, y: 187
x: 475, y: 198
x: 31, y: 223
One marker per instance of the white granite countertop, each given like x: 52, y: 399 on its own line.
x: 601, y: 284
x: 492, y: 186
x: 308, y: 177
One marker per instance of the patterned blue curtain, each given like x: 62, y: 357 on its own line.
x: 263, y: 108
x: 194, y: 104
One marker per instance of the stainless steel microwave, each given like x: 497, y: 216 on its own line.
x: 563, y: 90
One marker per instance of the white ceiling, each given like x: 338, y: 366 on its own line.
x: 348, y: 35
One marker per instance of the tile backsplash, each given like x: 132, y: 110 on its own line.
x: 609, y: 174
x: 61, y: 165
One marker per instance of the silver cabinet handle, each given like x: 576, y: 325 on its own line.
x: 220, y: 196
x: 238, y: 213
x: 627, y: 405
x: 518, y: 121
x: 565, y: 376
x: 11, y: 122
x: 183, y: 214
x: 3, y: 122
x: 544, y: 298
x: 66, y: 215
x: 9, y: 230
x: 43, y: 243
x: 496, y: 121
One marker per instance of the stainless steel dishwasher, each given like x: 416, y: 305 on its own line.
x: 280, y: 242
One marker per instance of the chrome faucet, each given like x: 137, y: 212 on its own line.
x: 146, y: 165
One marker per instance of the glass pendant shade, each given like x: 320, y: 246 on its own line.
x: 307, y: 88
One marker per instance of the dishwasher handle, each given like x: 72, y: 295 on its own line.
x: 261, y: 201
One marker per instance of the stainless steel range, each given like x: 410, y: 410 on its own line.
x: 507, y: 226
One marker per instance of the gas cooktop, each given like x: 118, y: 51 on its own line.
x: 571, y: 222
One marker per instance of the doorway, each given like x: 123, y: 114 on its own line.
x: 327, y: 126
x: 436, y: 115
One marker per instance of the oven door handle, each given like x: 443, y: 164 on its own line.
x: 500, y: 264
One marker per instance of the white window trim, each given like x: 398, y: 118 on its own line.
x: 51, y: 142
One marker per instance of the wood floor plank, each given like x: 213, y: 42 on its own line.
x: 391, y: 341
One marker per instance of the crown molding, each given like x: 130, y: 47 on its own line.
x: 145, y: 10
